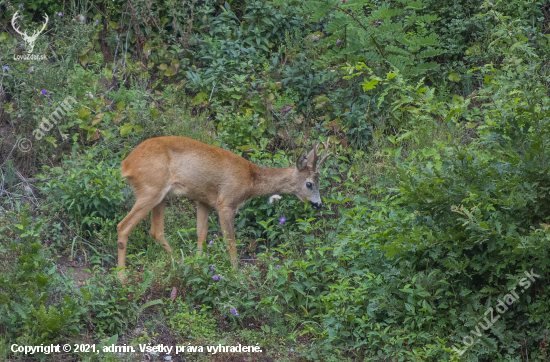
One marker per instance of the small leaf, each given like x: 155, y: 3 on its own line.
x: 87, y: 296
x: 83, y: 113
x: 84, y: 60
x: 150, y: 303
x: 454, y: 77
x: 199, y: 98
x: 154, y: 113
x: 147, y: 50
x: 52, y: 140
x: 91, y: 133
x: 175, y: 64
x: 106, y: 134
x: 4, y: 36
x: 120, y: 105
x: 97, y: 119
x: 124, y: 129
x: 457, y: 100
x: 112, y: 340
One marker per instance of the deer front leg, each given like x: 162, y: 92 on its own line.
x: 202, y: 224
x: 227, y: 219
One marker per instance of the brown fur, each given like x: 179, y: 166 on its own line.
x: 216, y: 178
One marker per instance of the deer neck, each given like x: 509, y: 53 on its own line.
x: 269, y: 181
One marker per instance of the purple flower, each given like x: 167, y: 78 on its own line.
x: 221, y: 277
x: 60, y: 14
x: 44, y: 91
x: 236, y: 313
x: 49, y: 95
x: 282, y: 220
x: 278, y: 266
x: 32, y: 64
x: 215, y: 235
x: 233, y: 311
x: 28, y: 70
x: 338, y: 42
x: 211, y: 242
x: 265, y: 315
x: 20, y: 6
x: 48, y: 103
x: 212, y: 267
x: 215, y: 277
x: 6, y: 68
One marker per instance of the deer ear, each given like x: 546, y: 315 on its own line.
x: 301, y: 163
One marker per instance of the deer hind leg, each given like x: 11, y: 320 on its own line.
x: 142, y: 206
x: 202, y: 224
x: 227, y: 221
x: 157, y: 225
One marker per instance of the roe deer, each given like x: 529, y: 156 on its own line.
x: 215, y: 178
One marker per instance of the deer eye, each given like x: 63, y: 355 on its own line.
x: 309, y: 185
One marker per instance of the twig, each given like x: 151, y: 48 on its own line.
x: 213, y: 87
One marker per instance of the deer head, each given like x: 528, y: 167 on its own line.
x: 306, y: 177
x: 29, y: 40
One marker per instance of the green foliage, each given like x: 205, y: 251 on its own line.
x: 35, y: 7
x: 190, y: 323
x: 111, y: 307
x: 85, y: 189
x: 436, y: 202
x: 241, y: 132
x: 399, y: 34
x: 37, y: 305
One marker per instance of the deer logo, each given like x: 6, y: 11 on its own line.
x: 29, y: 40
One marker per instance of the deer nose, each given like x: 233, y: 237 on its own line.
x: 316, y: 205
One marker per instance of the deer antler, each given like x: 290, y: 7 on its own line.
x: 312, y: 156
x: 324, y: 156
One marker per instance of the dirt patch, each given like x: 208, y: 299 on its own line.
x: 65, y: 263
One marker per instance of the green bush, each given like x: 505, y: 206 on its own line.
x: 189, y: 323
x: 85, y: 189
x: 111, y: 307
x: 37, y: 305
